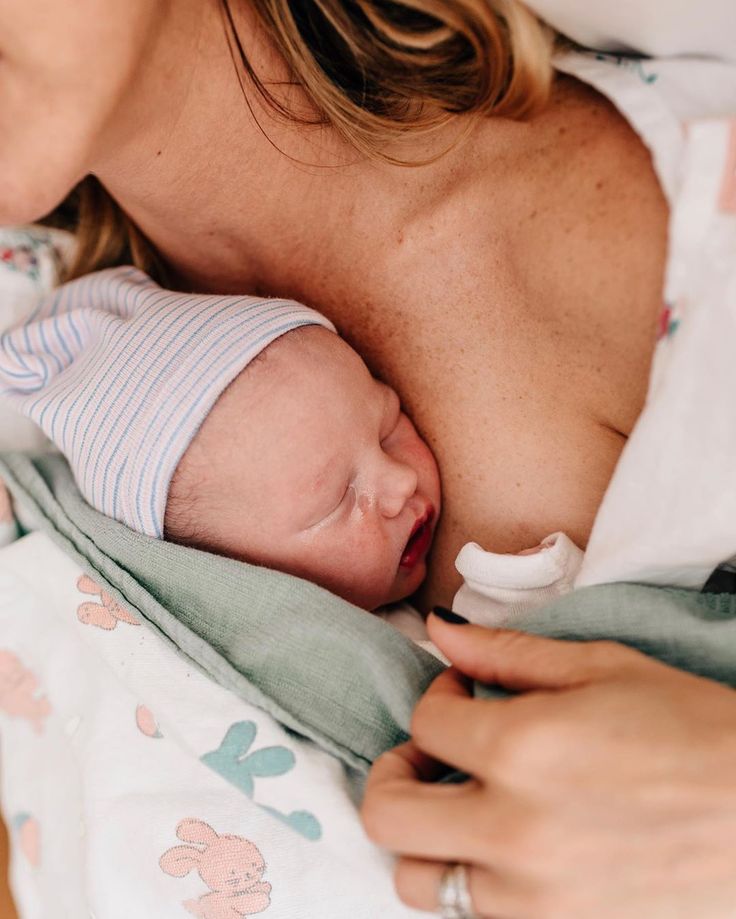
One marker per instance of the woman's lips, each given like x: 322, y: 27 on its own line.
x: 419, y: 541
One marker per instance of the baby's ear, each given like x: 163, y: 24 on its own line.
x: 180, y: 860
x: 196, y: 831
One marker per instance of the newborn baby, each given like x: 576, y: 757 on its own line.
x: 247, y: 427
x: 307, y: 464
x: 240, y: 425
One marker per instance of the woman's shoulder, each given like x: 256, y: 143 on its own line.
x: 658, y: 97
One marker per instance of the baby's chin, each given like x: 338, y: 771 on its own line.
x: 371, y: 599
x: 407, y: 582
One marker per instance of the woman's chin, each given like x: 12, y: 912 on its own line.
x: 27, y: 197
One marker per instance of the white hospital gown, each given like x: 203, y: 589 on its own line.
x: 669, y: 514
x: 659, y: 28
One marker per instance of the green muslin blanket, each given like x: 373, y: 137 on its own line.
x: 322, y: 667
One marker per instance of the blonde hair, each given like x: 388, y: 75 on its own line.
x: 105, y: 235
x: 374, y: 70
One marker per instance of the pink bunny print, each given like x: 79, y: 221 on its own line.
x: 19, y: 692
x: 106, y: 613
x: 231, y: 866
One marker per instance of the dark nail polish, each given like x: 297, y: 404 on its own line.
x: 447, y: 615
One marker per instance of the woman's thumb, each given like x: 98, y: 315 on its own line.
x: 517, y: 660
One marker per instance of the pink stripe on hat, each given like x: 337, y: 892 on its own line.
x: 121, y: 373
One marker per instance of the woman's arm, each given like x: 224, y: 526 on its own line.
x: 606, y: 787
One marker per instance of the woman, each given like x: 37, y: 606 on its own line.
x: 513, y: 277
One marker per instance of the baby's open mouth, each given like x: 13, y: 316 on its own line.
x: 419, y: 541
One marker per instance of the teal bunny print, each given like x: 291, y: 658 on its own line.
x: 235, y: 761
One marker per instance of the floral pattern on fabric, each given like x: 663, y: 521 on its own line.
x: 231, y: 867
x: 235, y: 761
x: 23, y: 256
x: 668, y: 323
x: 636, y: 65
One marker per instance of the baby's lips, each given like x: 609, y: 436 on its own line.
x: 419, y: 541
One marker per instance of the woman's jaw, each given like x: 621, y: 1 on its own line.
x: 68, y: 73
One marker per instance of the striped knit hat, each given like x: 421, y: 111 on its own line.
x: 120, y: 374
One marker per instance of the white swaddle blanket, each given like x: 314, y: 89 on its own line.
x: 131, y: 784
x: 134, y: 786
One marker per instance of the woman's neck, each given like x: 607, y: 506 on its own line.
x: 235, y: 198
x: 214, y: 178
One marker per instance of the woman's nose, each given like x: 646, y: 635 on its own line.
x: 398, y: 484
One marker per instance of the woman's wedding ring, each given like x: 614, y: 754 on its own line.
x: 454, y: 895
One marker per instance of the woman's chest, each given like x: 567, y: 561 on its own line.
x: 521, y: 349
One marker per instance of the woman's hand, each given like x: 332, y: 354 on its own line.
x: 606, y: 788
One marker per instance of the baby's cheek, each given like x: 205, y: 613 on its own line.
x: 369, y: 576
x: 356, y: 562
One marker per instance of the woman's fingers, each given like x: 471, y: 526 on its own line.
x: 450, y: 725
x: 408, y: 762
x: 418, y: 883
x: 631, y: 767
x: 402, y: 813
x: 519, y: 661
x: 482, y: 737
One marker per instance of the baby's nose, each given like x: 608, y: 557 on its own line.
x: 399, y: 484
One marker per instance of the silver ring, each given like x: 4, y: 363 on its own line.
x: 453, y: 894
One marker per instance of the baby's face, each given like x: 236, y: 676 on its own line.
x: 307, y: 464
